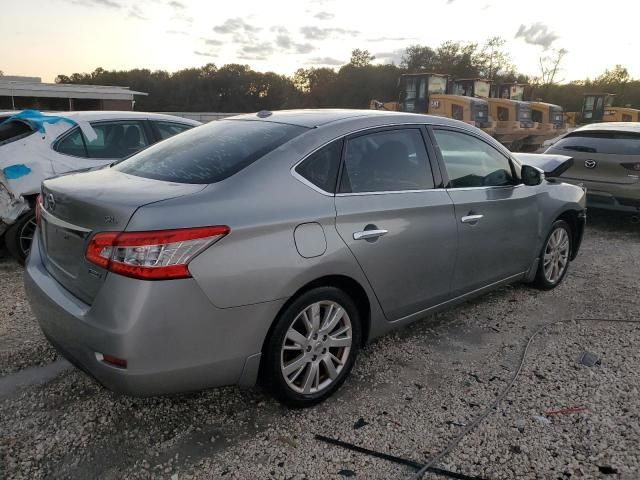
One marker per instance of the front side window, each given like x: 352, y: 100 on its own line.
x: 169, y: 129
x: 321, y: 168
x: 392, y: 160
x: 211, y: 152
x: 470, y: 162
x: 608, y: 142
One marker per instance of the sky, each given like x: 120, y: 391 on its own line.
x: 45, y: 38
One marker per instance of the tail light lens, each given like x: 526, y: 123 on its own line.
x: 153, y: 255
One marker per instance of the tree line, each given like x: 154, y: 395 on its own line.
x: 238, y: 88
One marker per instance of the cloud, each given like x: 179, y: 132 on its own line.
x: 279, y: 29
x: 177, y: 32
x: 256, y: 52
x: 390, y: 39
x: 205, y: 54
x: 537, y: 34
x: 236, y: 25
x: 176, y: 4
x: 311, y: 32
x: 390, y: 57
x: 100, y: 3
x: 324, y: 16
x: 325, y: 61
x: 135, y: 12
x: 213, y: 42
x: 286, y: 43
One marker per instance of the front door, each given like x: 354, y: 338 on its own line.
x: 401, y: 230
x: 496, y: 216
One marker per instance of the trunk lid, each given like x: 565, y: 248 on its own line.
x: 75, y: 206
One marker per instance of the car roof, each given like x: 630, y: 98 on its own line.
x: 632, y: 127
x: 91, y: 116
x: 312, y: 118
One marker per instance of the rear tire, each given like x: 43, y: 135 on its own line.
x: 312, y: 347
x: 555, y: 256
x: 19, y: 236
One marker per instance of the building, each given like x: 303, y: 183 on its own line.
x: 19, y: 93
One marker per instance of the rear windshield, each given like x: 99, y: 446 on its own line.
x: 12, y: 130
x: 608, y: 142
x: 209, y: 153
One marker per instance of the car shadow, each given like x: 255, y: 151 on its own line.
x: 614, y: 222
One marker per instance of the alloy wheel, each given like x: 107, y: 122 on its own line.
x: 26, y: 234
x: 556, y: 255
x: 316, y: 347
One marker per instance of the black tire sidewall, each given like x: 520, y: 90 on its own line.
x: 541, y: 280
x: 272, y: 375
x: 12, y: 237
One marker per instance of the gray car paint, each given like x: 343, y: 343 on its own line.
x: 209, y: 330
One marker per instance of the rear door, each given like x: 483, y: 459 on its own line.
x: 400, y: 228
x: 602, y: 156
x: 496, y: 216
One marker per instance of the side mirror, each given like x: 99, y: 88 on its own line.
x: 531, y: 175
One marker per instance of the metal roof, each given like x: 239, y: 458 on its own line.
x: 16, y: 88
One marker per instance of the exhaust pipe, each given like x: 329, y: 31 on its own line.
x: 635, y: 219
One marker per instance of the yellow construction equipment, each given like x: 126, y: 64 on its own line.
x: 427, y: 93
x: 510, y: 116
x: 598, y: 107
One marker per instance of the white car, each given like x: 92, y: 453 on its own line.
x: 35, y: 146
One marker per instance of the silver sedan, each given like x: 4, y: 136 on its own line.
x: 271, y: 247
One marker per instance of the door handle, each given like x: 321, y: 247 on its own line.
x: 369, y: 234
x: 473, y: 219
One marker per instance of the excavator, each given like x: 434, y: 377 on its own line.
x: 598, y: 107
x: 428, y: 93
x: 510, y: 114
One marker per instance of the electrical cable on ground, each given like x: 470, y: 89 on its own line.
x: 430, y: 465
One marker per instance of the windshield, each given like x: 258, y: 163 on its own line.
x: 209, y: 153
x: 437, y: 85
x: 517, y: 92
x: 482, y: 89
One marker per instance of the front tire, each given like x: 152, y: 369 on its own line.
x: 555, y: 256
x: 19, y: 236
x: 312, y: 347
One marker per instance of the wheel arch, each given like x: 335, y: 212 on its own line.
x: 345, y: 283
x: 576, y: 223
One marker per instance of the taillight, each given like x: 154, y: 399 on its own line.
x: 38, y: 209
x: 153, y: 255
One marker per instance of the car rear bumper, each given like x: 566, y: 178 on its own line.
x: 623, y: 197
x: 171, y: 336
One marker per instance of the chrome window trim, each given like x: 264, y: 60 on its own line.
x: 488, y: 187
x: 387, y: 192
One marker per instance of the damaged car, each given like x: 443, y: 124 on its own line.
x: 35, y: 146
x: 270, y: 247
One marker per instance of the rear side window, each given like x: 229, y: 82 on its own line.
x: 169, y: 129
x: 321, y: 168
x: 13, y: 130
x: 113, y: 140
x: 209, y: 153
x: 388, y: 161
x: 470, y: 162
x: 72, y: 144
x: 614, y: 143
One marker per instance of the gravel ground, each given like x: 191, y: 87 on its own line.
x: 409, y: 394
